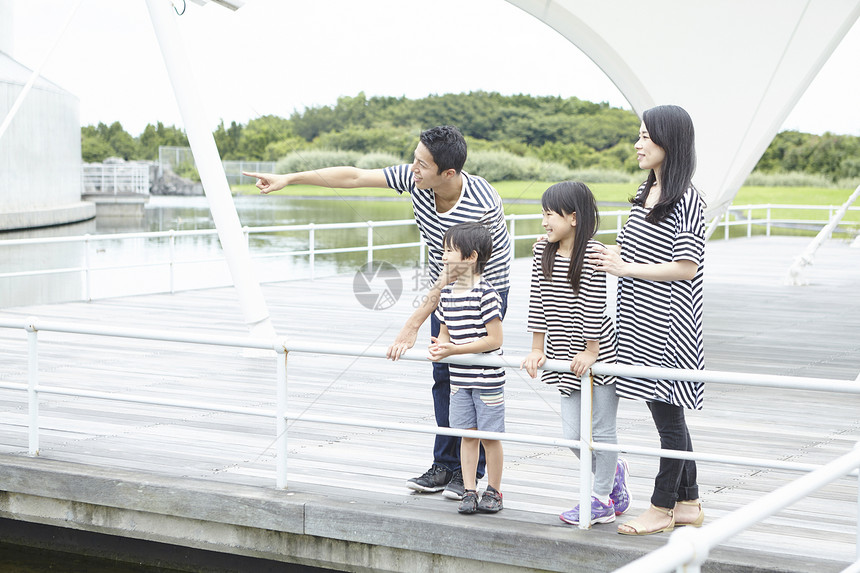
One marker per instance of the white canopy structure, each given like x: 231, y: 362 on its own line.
x: 738, y: 67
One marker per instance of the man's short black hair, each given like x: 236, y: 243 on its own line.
x: 447, y: 146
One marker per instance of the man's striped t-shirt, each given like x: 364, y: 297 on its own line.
x: 479, y: 202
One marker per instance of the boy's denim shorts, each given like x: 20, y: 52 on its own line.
x: 479, y: 408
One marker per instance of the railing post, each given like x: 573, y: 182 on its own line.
x: 767, y: 227
x: 369, y: 242
x: 87, y: 293
x: 513, y: 233
x: 585, y: 451
x: 749, y: 223
x: 171, y: 241
x: 281, y: 422
x: 311, y: 255
x: 857, y: 546
x: 32, y: 382
x: 727, y: 224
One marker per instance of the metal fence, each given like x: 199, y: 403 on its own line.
x: 686, y: 550
x: 115, y: 178
x: 233, y: 170
x: 750, y: 219
x: 174, y: 156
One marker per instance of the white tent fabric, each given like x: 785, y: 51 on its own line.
x: 738, y: 67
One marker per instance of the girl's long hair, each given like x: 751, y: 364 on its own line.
x: 565, y: 198
x: 670, y: 127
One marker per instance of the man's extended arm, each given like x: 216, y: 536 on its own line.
x: 344, y: 177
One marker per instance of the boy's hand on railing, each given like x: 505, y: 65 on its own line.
x: 533, y: 361
x: 439, y: 350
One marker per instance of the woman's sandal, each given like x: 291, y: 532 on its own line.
x: 699, y: 518
x: 639, y: 529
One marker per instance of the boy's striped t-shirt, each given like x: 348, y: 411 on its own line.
x: 466, y: 316
x: 479, y: 203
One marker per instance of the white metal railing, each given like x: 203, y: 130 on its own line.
x: 688, y: 548
x: 281, y: 347
x: 740, y: 216
x: 808, y: 255
x: 115, y: 178
x: 744, y: 216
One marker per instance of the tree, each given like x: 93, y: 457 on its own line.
x: 155, y: 136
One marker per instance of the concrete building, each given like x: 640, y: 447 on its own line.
x: 40, y: 152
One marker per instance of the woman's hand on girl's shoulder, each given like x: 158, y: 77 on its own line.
x: 538, y: 241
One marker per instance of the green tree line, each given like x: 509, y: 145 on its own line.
x: 568, y: 132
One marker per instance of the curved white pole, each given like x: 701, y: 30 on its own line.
x: 254, y: 309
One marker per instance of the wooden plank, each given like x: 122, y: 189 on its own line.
x: 753, y: 323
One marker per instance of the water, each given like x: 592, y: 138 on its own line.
x: 103, y: 257
x: 192, y: 213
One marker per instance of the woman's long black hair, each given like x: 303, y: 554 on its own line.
x: 565, y: 198
x: 670, y: 127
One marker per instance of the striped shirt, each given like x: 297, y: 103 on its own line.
x: 570, y: 320
x: 479, y: 202
x: 466, y: 316
x: 660, y: 322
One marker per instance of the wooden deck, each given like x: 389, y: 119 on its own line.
x: 754, y: 323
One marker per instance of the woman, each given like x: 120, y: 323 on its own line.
x: 659, y: 261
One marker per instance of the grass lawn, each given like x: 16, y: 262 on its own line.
x: 528, y: 191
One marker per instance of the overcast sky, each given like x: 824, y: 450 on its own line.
x: 278, y: 56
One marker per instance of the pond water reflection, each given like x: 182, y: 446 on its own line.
x: 192, y: 213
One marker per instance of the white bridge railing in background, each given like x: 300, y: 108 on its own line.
x: 808, y: 255
x: 750, y: 217
x: 115, y: 178
x: 688, y: 549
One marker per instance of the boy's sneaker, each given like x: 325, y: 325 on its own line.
x: 433, y: 480
x: 455, y: 488
x: 620, y: 495
x: 600, y: 513
x: 469, y: 503
x: 491, y: 501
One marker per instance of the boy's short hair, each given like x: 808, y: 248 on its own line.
x: 471, y: 238
x: 447, y: 146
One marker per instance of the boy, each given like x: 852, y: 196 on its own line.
x: 442, y: 195
x: 470, y: 317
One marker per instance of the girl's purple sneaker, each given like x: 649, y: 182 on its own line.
x: 620, y: 495
x: 600, y: 513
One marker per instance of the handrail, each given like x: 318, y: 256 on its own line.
x: 370, y: 245
x: 808, y: 255
x: 282, y: 347
x: 689, y: 548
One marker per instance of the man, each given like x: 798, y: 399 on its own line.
x: 442, y: 195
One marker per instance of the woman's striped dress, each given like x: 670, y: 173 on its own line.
x: 659, y: 323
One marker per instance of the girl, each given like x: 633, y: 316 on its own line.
x: 568, y: 320
x: 659, y: 259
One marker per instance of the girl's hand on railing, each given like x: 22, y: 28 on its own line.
x: 582, y: 362
x: 533, y: 361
